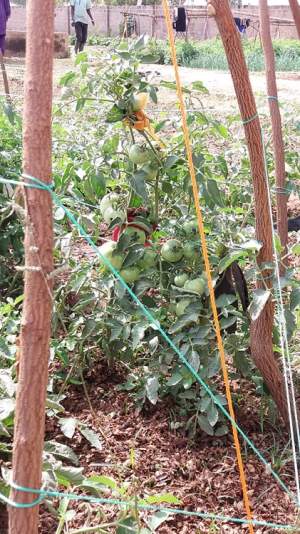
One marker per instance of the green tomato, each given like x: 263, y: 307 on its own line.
x: 139, y: 154
x: 197, y: 285
x: 149, y: 259
x: 135, y: 234
x: 189, y: 250
x: 150, y: 169
x: 221, y: 250
x: 190, y: 227
x: 181, y: 306
x: 172, y: 250
x: 130, y: 275
x: 107, y: 250
x: 181, y: 279
x: 110, y: 214
x: 109, y: 200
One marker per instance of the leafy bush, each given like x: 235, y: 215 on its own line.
x: 11, y: 231
x: 210, y: 54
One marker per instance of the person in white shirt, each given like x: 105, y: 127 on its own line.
x: 81, y: 12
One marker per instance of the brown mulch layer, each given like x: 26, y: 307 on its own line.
x: 202, y: 473
x: 3, y: 520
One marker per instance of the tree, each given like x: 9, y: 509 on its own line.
x: 37, y: 308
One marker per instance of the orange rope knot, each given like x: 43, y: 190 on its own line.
x: 138, y: 121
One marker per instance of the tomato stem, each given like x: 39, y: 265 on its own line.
x: 151, y: 146
x: 156, y: 198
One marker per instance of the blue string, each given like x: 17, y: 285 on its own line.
x: 151, y: 318
x: 247, y: 121
x: 147, y: 507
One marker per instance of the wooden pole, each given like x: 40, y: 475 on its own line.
x: 278, y: 145
x: 5, y: 78
x: 261, y: 329
x: 37, y: 307
x: 295, y: 9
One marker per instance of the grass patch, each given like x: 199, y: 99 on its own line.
x: 210, y: 54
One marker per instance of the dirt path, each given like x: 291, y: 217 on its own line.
x: 221, y: 90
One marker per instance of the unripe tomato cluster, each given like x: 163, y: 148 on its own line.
x: 179, y: 260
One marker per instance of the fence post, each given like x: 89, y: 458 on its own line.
x: 108, y: 29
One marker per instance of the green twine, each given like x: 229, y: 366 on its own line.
x: 247, y: 121
x: 48, y: 187
x: 146, y: 507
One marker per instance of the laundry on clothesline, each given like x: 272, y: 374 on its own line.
x: 242, y: 24
x: 180, y: 22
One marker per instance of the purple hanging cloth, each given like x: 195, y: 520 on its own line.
x: 4, y: 14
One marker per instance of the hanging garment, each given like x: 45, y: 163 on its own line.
x: 242, y: 24
x: 180, y: 23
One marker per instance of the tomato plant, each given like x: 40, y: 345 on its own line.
x: 125, y: 169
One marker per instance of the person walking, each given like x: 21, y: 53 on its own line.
x: 4, y: 14
x: 80, y: 12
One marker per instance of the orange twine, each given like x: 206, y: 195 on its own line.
x: 207, y: 264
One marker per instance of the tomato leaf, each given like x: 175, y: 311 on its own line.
x: 61, y: 451
x: 186, y: 319
x: 152, y: 386
x: 7, y: 407
x: 137, y: 334
x: 68, y: 426
x: 160, y: 499
x: 215, y: 193
x: 175, y: 379
x: 212, y: 414
x: 137, y: 182
x: 194, y: 360
x: 230, y: 258
x: 198, y: 86
x: 205, y: 425
x: 115, y: 114
x: 92, y: 437
x: 69, y: 476
x: 221, y: 431
x: 295, y: 298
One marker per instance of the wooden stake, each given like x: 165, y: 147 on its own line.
x: 295, y: 9
x: 261, y: 329
x: 37, y: 308
x: 276, y: 121
x: 5, y: 78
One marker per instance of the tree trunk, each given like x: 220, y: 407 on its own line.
x: 261, y: 329
x: 37, y: 308
x: 295, y: 9
x: 278, y: 145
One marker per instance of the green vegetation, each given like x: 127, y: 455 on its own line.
x: 113, y: 176
x: 210, y: 54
